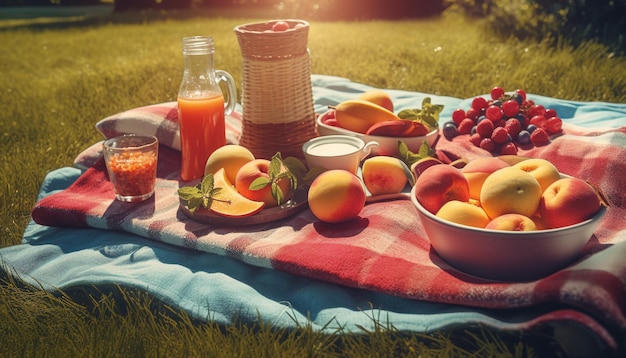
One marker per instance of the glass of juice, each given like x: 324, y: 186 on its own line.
x: 131, y: 162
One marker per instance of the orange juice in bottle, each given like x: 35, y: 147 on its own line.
x: 201, y: 106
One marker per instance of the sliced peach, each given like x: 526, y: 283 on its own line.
x: 228, y: 202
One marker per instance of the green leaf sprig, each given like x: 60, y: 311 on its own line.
x: 409, y: 157
x: 427, y: 115
x: 201, y: 195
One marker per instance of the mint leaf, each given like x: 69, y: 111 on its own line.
x: 260, y: 183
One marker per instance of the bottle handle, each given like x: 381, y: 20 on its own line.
x: 230, y: 100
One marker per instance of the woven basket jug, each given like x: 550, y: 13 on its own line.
x: 277, y: 97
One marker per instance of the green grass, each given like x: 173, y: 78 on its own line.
x: 58, y: 79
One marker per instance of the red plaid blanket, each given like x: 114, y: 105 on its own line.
x: 386, y: 249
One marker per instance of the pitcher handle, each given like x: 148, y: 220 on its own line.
x: 230, y: 100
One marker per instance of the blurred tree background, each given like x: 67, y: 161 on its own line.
x: 575, y: 20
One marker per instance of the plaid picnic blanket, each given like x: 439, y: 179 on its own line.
x: 386, y: 250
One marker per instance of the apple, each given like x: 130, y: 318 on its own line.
x: 544, y: 171
x: 258, y: 168
x: 512, y: 222
x: 280, y: 26
x: 231, y: 157
x: 384, y: 175
x: 477, y: 170
x: 336, y: 196
x: 439, y: 184
x: 568, y: 201
x: 464, y: 213
x: 510, y: 190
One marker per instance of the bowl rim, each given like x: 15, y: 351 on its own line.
x: 598, y: 215
x: 373, y: 137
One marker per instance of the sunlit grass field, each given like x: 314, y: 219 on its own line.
x: 57, y: 80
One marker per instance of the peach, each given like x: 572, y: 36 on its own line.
x: 336, y: 196
x: 510, y: 190
x: 477, y: 170
x: 464, y: 213
x: 259, y: 168
x: 512, y: 222
x: 544, y: 171
x: 231, y: 157
x: 568, y: 201
x: 384, y: 175
x: 439, y: 184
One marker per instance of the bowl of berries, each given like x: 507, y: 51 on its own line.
x: 503, y: 122
x: 506, y: 218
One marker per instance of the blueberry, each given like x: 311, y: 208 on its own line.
x: 523, y: 137
x: 517, y: 98
x: 531, y: 128
x: 449, y: 130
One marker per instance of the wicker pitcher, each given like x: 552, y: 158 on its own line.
x: 277, y: 97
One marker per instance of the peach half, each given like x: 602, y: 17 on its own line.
x: 384, y: 175
x: 336, y: 196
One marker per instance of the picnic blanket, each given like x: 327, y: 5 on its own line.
x: 296, y: 270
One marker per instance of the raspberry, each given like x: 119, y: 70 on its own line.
x: 487, y: 144
x: 458, y: 115
x: 500, y: 135
x: 465, y: 127
x: 484, y: 128
x: 509, y: 149
x: 475, y: 139
x: 513, y: 126
x: 539, y: 137
x: 553, y: 125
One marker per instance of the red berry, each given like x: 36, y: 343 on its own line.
x: 510, y: 108
x: 475, y: 138
x: 513, y: 126
x: 554, y: 125
x: 484, y: 128
x: 539, y: 121
x: 536, y: 110
x: 550, y: 113
x: 499, y: 123
x: 473, y: 113
x: 521, y: 93
x: 487, y: 144
x: 494, y: 113
x: 497, y: 92
x: 479, y: 104
x: 465, y: 127
x: 458, y: 115
x: 539, y: 137
x: 509, y: 149
x: 280, y: 26
x: 500, y: 135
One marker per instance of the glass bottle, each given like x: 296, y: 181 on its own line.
x: 201, y: 106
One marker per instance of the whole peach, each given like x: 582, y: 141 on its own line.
x: 439, y: 184
x: 477, y: 170
x: 510, y: 190
x: 336, y: 196
x: 258, y: 168
x: 544, y: 171
x: 568, y: 201
x: 231, y: 157
x: 512, y: 222
x: 463, y: 213
x: 384, y: 175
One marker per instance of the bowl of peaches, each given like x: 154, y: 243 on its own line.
x: 506, y: 218
x: 371, y: 118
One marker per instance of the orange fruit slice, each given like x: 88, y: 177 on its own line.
x: 228, y: 202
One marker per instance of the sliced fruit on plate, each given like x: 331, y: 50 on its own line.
x: 228, y: 202
x: 398, y: 128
